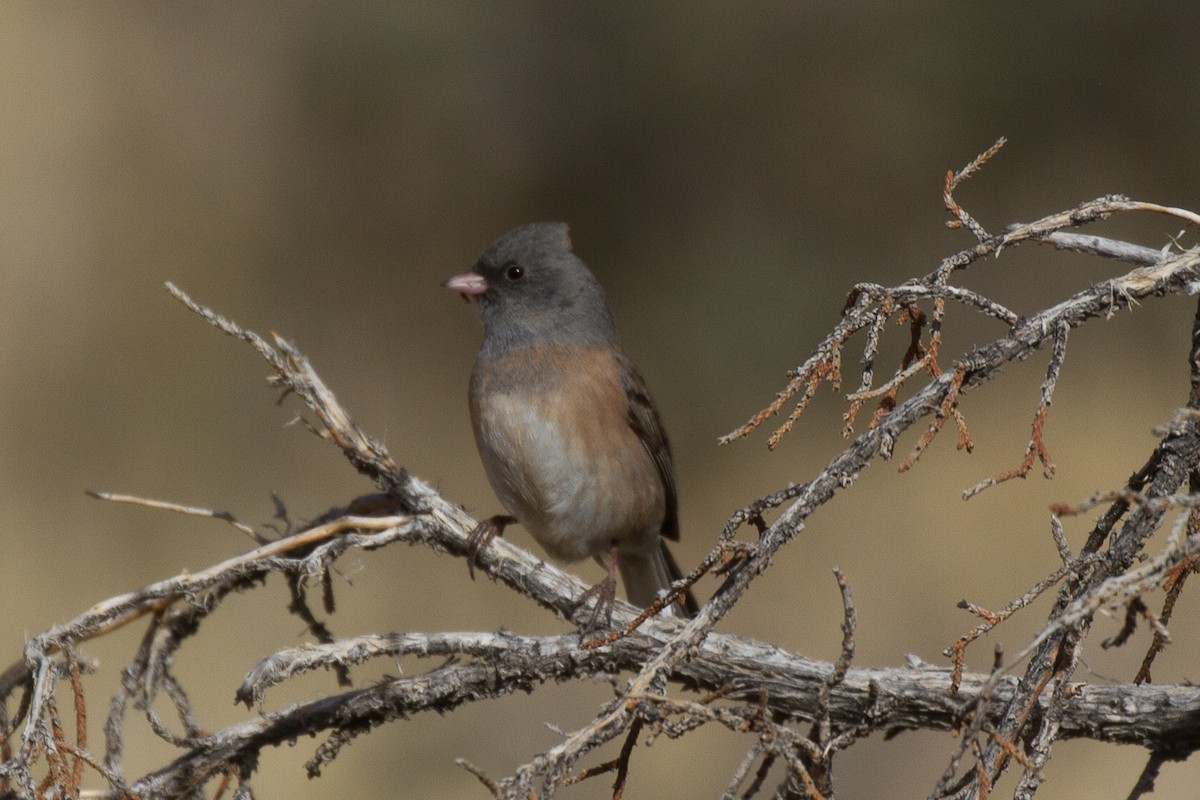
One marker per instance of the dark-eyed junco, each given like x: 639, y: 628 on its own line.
x: 568, y: 435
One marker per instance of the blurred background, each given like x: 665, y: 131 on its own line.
x: 728, y: 170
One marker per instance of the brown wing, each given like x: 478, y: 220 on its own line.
x: 644, y: 420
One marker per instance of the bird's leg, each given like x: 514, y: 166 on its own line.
x: 605, y: 592
x: 482, y: 535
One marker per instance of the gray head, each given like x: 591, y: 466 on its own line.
x: 529, y: 287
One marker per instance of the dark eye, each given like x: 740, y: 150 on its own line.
x: 514, y: 272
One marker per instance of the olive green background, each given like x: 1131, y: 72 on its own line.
x: 729, y: 171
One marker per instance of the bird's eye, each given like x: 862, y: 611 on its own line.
x: 514, y: 272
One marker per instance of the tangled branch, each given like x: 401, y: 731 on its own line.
x: 746, y: 688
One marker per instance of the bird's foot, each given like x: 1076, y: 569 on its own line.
x: 479, y: 538
x: 605, y: 593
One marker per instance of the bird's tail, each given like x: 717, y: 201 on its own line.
x: 646, y: 576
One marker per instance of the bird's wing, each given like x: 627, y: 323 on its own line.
x: 644, y: 420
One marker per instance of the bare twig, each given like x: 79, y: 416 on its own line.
x: 1037, y: 444
x: 163, y: 505
x: 749, y: 687
x: 482, y: 776
x: 1112, y: 582
x: 960, y: 217
x: 1149, y: 774
x: 861, y: 310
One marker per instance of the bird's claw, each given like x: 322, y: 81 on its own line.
x: 481, y: 536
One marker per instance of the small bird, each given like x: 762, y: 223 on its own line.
x: 569, y: 438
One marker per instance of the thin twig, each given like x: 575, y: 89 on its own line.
x: 163, y: 505
x: 1037, y: 444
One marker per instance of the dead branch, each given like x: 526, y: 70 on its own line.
x: 747, y: 688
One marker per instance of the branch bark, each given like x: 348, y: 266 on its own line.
x: 748, y: 687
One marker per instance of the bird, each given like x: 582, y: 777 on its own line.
x: 570, y: 440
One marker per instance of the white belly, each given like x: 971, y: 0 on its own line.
x: 576, y: 488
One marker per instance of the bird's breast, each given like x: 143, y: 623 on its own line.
x: 552, y: 427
